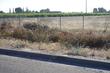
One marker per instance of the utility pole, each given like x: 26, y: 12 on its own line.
x: 86, y: 6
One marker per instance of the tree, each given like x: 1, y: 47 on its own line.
x: 27, y: 10
x: 109, y: 11
x: 45, y: 10
x: 99, y: 10
x: 102, y: 10
x: 18, y: 10
x: 9, y: 10
x: 95, y: 10
x: 1, y: 12
x: 13, y: 10
x: 36, y: 12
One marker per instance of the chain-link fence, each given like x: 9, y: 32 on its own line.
x: 65, y: 23
x: 44, y: 24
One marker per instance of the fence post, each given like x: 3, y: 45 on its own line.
x: 106, y: 24
x: 60, y: 22
x: 19, y: 20
x: 83, y: 22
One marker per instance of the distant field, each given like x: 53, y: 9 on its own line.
x: 71, y: 23
x: 64, y: 21
x: 49, y: 14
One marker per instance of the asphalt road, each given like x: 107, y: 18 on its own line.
x: 58, y: 59
x: 9, y: 64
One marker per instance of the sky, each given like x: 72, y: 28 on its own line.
x: 55, y: 5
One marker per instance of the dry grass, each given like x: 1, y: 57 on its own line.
x: 54, y: 48
x: 13, y: 43
x: 37, y: 33
x: 22, y: 45
x: 87, y: 52
x: 37, y: 37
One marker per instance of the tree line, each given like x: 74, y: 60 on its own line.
x: 21, y: 10
x: 100, y: 10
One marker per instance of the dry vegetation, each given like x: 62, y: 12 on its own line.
x: 32, y: 35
